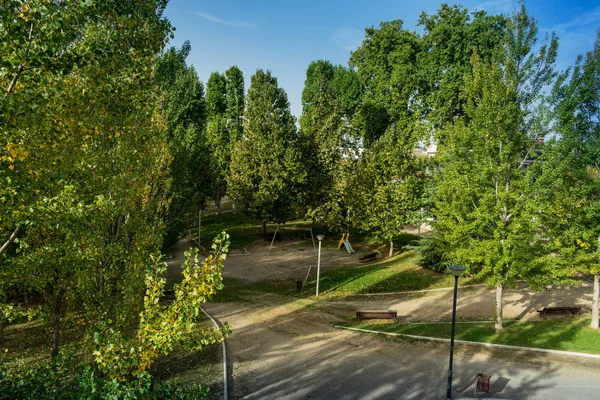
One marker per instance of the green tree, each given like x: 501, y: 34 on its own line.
x: 165, y: 328
x: 218, y: 134
x: 568, y: 183
x: 329, y: 98
x: 236, y: 101
x: 449, y: 38
x: 84, y: 158
x: 483, y: 193
x: 387, y: 186
x: 235, y: 96
x: 225, y: 127
x: 387, y: 66
x: 265, y: 164
x: 185, y: 110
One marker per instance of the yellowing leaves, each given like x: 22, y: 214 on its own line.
x: 12, y: 153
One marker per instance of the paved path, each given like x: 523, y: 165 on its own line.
x: 288, y: 349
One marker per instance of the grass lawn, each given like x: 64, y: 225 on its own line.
x: 401, y: 273
x: 569, y: 334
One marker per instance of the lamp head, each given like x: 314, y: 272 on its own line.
x: 320, y: 237
x: 457, y: 270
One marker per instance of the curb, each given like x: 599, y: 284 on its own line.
x: 491, y: 345
x: 419, y: 291
x: 225, y: 394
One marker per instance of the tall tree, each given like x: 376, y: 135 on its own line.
x: 265, y: 164
x: 218, y: 134
x: 235, y: 97
x: 386, y: 64
x: 84, y: 162
x: 185, y: 109
x: 569, y: 180
x: 387, y: 185
x: 449, y: 38
x: 329, y: 98
x: 483, y: 197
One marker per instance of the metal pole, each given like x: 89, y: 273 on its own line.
x: 449, y: 390
x: 318, y: 267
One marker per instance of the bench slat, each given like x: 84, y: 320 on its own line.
x: 376, y: 315
x: 559, y: 310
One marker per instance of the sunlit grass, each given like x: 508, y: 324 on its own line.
x: 401, y: 273
x: 569, y: 334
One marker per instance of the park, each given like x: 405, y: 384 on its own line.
x: 294, y: 201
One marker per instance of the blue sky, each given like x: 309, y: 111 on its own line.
x: 285, y: 36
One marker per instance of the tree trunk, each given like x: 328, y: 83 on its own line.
x: 595, y: 321
x: 499, y: 290
x: 234, y: 207
x: 218, y: 201
x: 391, y: 249
x: 56, y: 327
x: 1, y: 331
x: 265, y: 229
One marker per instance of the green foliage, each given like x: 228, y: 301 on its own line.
x: 225, y: 125
x: 432, y: 253
x: 265, y: 164
x: 216, y: 94
x: 387, y: 186
x: 485, y: 206
x: 165, y: 328
x: 449, y: 39
x: 234, y: 83
x: 325, y: 138
x: 83, y: 159
x: 185, y: 110
x: 568, y: 182
x: 58, y: 380
x: 386, y: 65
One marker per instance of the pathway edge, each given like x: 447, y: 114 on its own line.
x: 492, y: 345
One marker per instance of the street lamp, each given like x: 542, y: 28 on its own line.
x: 320, y: 237
x: 457, y: 271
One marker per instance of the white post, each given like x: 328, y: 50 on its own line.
x: 318, y: 267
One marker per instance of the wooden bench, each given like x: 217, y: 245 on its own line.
x: 368, y: 257
x: 559, y: 311
x: 376, y: 315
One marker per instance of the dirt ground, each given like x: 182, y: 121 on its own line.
x: 287, y: 259
x: 291, y: 259
x: 284, y: 347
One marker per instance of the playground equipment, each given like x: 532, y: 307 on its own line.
x: 294, y: 229
x: 344, y: 241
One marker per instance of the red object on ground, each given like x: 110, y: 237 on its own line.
x: 483, y: 383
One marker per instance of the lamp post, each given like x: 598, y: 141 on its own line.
x: 320, y: 237
x: 457, y: 271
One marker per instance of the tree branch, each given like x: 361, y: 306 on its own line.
x: 11, y: 239
x: 15, y: 78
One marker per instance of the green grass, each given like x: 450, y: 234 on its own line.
x: 569, y: 334
x: 235, y: 291
x: 402, y: 273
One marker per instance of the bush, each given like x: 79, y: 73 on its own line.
x: 55, y: 381
x: 431, y: 251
